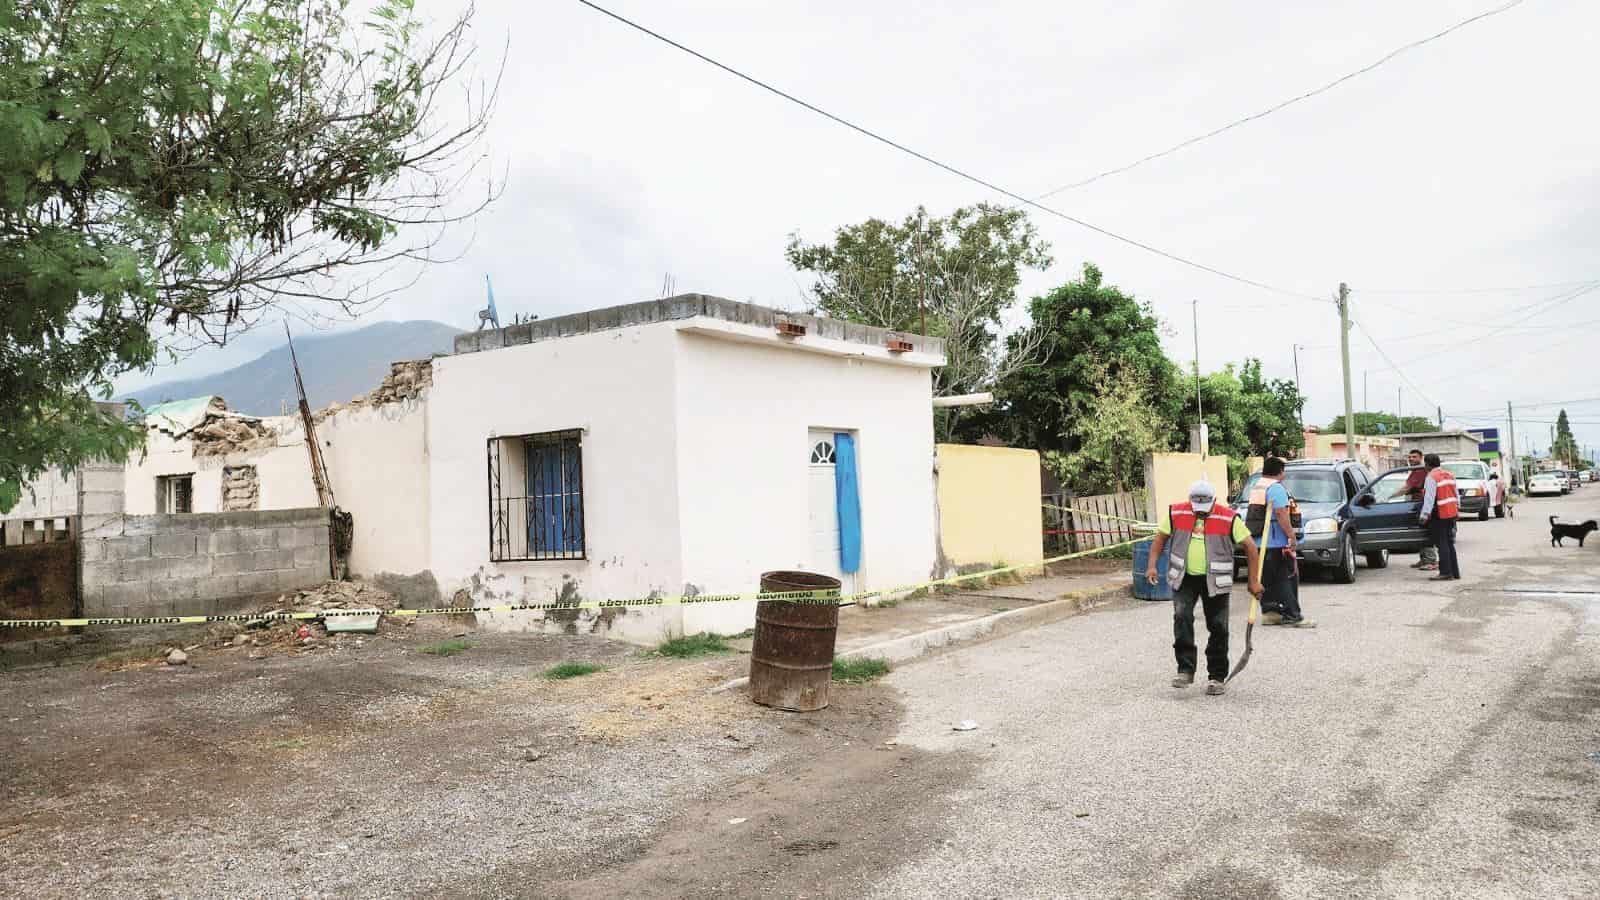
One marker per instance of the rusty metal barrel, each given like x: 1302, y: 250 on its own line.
x: 791, y: 662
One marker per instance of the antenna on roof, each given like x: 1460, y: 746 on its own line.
x: 489, y: 315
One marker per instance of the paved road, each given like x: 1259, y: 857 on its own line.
x: 1427, y: 741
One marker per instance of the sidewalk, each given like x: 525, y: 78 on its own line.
x: 912, y: 628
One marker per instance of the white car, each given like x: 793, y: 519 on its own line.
x: 1479, y: 493
x: 1546, y: 484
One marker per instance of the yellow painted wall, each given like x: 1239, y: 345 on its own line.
x: 1167, y: 477
x: 989, y: 502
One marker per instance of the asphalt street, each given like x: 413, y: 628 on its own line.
x: 1428, y: 740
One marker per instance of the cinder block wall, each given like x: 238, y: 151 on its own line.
x: 202, y: 563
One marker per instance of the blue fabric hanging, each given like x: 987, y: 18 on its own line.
x: 849, y: 503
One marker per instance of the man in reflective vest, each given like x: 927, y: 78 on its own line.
x: 1271, y: 513
x: 1200, y: 569
x: 1440, y: 509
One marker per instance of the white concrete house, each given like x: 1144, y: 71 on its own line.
x: 677, y: 446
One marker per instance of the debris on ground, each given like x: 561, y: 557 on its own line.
x: 176, y: 657
x: 966, y: 725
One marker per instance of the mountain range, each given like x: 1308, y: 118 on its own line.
x: 335, y: 367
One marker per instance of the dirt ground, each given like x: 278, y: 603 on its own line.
x: 368, y: 768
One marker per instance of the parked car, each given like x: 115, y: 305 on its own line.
x: 1547, y: 484
x: 1389, y: 517
x: 1327, y: 537
x: 1594, y: 474
x: 1478, y: 488
x: 1576, y: 482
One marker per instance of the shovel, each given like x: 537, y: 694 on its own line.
x: 1255, y: 602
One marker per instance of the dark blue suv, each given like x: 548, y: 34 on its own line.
x: 1327, y: 492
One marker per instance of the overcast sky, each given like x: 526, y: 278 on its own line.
x: 1465, y: 164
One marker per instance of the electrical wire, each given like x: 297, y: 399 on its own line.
x: 1541, y: 404
x: 1278, y: 106
x: 866, y: 132
x: 1490, y: 290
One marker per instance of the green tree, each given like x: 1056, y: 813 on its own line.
x: 1373, y: 423
x: 1247, y: 415
x: 1120, y: 428
x: 958, y: 273
x: 175, y: 169
x: 1089, y: 335
x: 1565, y: 447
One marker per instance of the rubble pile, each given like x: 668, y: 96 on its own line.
x: 224, y: 431
x: 337, y: 595
x: 407, y: 380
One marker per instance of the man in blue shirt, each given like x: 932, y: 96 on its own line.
x: 1280, y: 574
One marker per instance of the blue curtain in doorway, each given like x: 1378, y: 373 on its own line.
x: 849, y: 503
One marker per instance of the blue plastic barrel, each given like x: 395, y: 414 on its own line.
x: 1143, y: 589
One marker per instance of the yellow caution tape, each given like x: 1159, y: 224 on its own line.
x: 821, y: 597
x: 1090, y: 512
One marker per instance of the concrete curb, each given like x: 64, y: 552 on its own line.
x: 987, y: 628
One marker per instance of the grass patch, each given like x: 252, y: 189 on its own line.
x: 572, y: 670
x: 858, y: 669
x: 747, y: 633
x: 691, y: 645
x: 446, y: 648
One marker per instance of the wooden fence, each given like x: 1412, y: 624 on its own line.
x: 1073, y: 523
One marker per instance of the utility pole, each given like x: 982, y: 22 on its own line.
x: 1199, y: 411
x: 1441, y: 416
x: 1399, y: 409
x: 1301, y: 411
x: 1511, y: 436
x: 1344, y: 354
x: 1366, y: 405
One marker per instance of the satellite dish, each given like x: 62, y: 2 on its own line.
x: 490, y: 315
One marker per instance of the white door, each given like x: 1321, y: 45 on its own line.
x: 824, y: 506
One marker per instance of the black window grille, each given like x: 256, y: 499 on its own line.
x: 536, y: 497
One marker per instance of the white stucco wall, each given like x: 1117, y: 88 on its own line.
x: 745, y: 402
x: 377, y: 459
x: 617, y: 385
x: 51, y: 495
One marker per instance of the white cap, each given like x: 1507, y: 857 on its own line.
x: 1202, y: 496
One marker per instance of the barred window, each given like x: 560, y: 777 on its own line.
x: 536, y: 497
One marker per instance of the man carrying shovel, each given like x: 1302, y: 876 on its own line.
x: 1200, y: 570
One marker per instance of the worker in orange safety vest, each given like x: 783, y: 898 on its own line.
x: 1441, y: 507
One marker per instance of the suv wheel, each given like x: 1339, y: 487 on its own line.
x: 1484, y: 515
x: 1378, y: 559
x: 1344, y: 571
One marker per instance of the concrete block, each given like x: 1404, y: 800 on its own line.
x: 186, y: 567
x: 541, y: 329
x: 142, y: 570
x: 519, y: 334
x: 683, y: 306
x: 296, y: 579
x: 466, y: 343
x: 827, y: 328
x: 224, y: 542
x: 102, y: 503
x: 172, y: 545
x: 640, y: 313
x: 232, y: 563
x: 186, y: 593
x: 258, y: 583
x: 491, y: 340
x: 601, y: 319
x: 127, y: 548
x: 98, y: 573
x: 258, y: 539
x: 184, y: 523
x: 92, y: 549
x: 293, y: 538
x: 311, y: 557
x: 132, y: 594
x: 577, y: 323
x: 271, y: 560
x: 319, y: 536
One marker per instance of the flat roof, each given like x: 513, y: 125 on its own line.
x: 687, y: 306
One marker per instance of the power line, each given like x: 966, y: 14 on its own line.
x: 1498, y: 319
x: 1488, y: 290
x: 1397, y: 370
x: 1541, y: 404
x: 1278, y: 106
x: 866, y: 132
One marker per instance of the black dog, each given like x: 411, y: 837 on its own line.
x: 1559, y: 531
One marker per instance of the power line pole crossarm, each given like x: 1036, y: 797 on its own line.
x: 1344, y: 354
